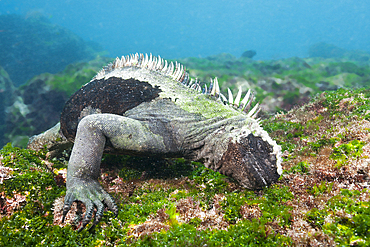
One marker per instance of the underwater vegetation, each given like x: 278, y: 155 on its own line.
x: 321, y: 199
x: 31, y: 46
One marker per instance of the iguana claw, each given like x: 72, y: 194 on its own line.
x: 93, y: 196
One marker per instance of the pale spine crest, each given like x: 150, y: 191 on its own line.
x: 179, y: 74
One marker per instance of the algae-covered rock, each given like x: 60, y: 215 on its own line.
x: 325, y: 50
x: 326, y: 161
x: 283, y: 94
x: 37, y: 104
x: 6, y: 98
x: 285, y: 83
x: 249, y: 54
x: 31, y: 46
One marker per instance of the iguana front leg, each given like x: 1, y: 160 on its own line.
x: 84, y: 164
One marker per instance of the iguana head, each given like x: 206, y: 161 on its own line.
x: 251, y: 161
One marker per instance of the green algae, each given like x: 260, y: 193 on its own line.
x: 346, y: 218
x: 209, y: 108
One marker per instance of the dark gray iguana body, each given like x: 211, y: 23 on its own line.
x: 141, y: 106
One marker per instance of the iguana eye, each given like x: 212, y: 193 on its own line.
x: 259, y: 145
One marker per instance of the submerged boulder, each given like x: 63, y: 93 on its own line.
x: 249, y: 54
x: 36, y: 106
x: 31, y: 46
x: 6, y: 97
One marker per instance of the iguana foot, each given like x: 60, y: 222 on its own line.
x: 90, y: 193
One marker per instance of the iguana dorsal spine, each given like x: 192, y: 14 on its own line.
x: 178, y: 72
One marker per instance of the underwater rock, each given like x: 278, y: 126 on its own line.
x: 292, y: 63
x: 249, y: 54
x: 325, y: 86
x: 285, y: 94
x: 37, y: 104
x: 6, y: 97
x: 36, y: 108
x: 325, y: 50
x: 222, y: 57
x: 31, y: 46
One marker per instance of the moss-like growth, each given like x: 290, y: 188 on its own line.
x: 27, y: 195
x: 346, y: 151
x: 326, y: 161
x: 345, y: 218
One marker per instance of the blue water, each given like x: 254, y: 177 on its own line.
x: 174, y: 29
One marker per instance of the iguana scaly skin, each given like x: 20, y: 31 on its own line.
x: 142, y: 105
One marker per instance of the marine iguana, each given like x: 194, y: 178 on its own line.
x: 143, y: 105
